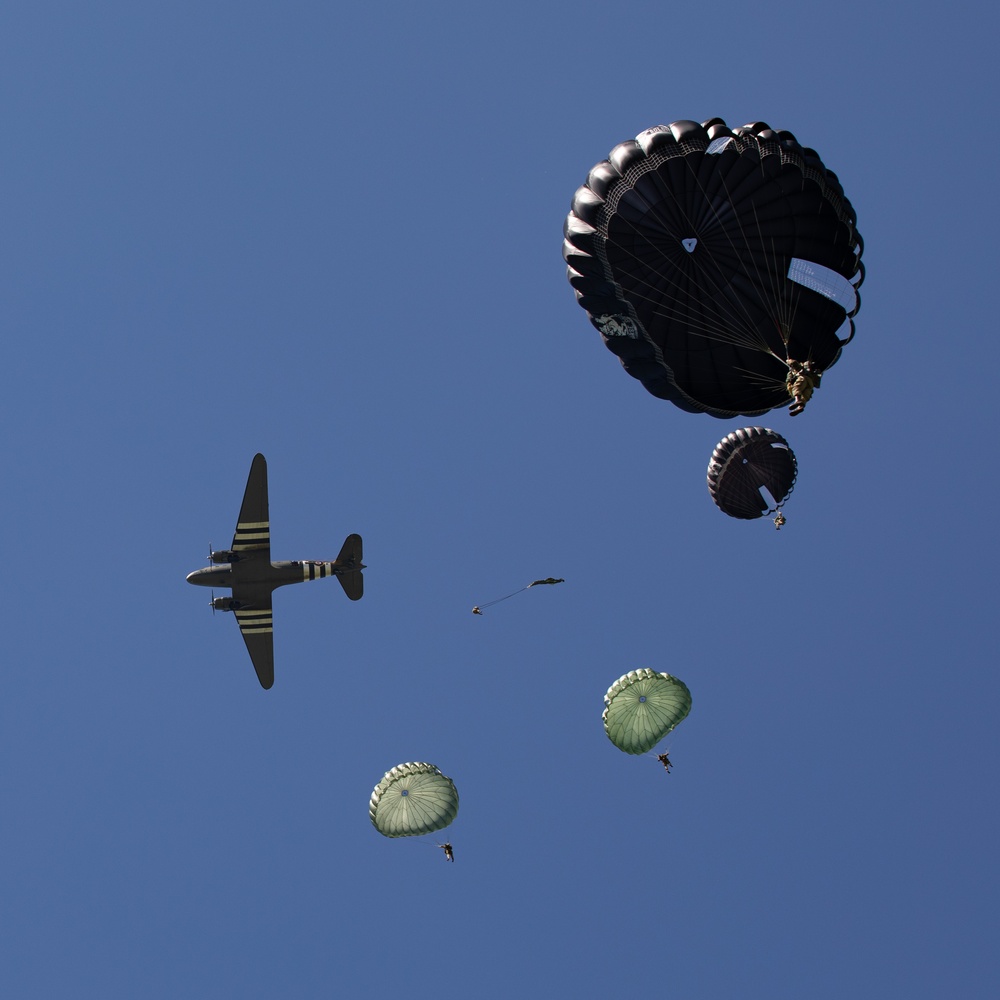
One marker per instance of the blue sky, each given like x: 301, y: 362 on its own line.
x: 332, y: 235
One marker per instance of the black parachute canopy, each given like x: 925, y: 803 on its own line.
x: 710, y: 257
x: 745, y: 461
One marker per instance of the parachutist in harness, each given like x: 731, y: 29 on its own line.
x: 779, y: 520
x: 803, y: 379
x: 664, y: 759
x: 476, y: 611
x: 449, y: 852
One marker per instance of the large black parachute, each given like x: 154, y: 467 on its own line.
x: 709, y: 258
x: 745, y: 461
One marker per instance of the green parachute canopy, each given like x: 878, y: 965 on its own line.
x: 412, y: 799
x: 641, y: 707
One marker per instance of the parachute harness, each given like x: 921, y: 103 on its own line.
x: 803, y: 379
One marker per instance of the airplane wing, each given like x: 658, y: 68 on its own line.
x: 253, y: 529
x: 254, y: 618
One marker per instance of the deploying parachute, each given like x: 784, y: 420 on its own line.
x: 641, y: 707
x: 718, y: 264
x: 550, y: 580
x: 413, y: 799
x: 744, y: 463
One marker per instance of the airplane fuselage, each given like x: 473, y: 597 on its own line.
x: 269, y: 574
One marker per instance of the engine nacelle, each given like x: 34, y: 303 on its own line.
x: 224, y: 556
x: 226, y: 604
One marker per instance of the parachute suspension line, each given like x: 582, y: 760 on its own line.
x: 757, y: 341
x: 763, y: 381
x: 780, y: 518
x: 768, y: 280
x: 709, y: 328
x: 731, y: 322
x: 760, y: 379
x: 739, y: 331
x: 771, y: 283
x: 803, y: 376
x: 782, y: 313
x: 434, y: 845
x: 762, y: 280
x: 478, y: 609
x: 729, y: 328
x: 716, y: 329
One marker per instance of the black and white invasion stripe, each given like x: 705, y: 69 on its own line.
x: 317, y: 570
x: 254, y: 622
x: 252, y: 535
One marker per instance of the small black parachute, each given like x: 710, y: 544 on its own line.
x: 746, y: 461
x: 720, y: 265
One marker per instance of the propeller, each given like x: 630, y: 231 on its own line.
x: 213, y: 591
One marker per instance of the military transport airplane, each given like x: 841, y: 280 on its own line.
x: 248, y: 569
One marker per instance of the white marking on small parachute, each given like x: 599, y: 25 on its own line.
x: 689, y: 244
x: 716, y: 146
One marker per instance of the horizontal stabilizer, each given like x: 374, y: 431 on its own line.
x: 353, y: 584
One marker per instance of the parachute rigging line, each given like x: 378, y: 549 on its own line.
x: 478, y: 609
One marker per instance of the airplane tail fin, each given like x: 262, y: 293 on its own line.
x: 350, y: 558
